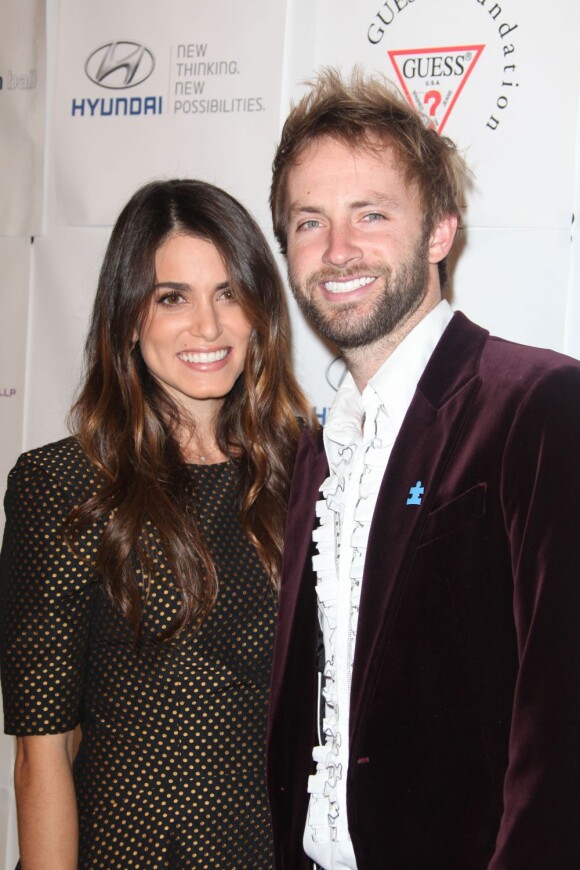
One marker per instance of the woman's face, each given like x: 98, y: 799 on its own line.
x: 195, y: 335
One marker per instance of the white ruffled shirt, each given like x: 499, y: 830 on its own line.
x: 358, y: 439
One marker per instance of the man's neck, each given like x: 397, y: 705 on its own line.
x: 364, y: 362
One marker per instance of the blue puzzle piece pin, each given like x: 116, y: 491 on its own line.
x: 416, y: 493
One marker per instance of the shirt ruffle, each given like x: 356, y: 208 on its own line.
x: 342, y: 444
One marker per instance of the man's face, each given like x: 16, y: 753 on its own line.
x: 358, y: 253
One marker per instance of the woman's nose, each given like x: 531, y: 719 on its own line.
x: 205, y: 322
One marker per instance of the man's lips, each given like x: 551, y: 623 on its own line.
x: 348, y: 285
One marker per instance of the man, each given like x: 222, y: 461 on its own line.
x: 432, y: 543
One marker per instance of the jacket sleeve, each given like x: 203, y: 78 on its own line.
x: 540, y: 827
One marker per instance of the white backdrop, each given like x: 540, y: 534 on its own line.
x: 22, y: 103
x: 98, y: 98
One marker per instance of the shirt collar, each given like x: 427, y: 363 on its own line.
x: 397, y: 379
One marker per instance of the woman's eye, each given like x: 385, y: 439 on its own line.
x: 171, y: 298
x: 227, y: 295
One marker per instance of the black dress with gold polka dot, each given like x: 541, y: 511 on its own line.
x: 170, y: 769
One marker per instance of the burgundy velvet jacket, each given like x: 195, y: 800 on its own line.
x: 465, y: 706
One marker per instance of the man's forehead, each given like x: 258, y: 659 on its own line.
x: 370, y: 145
x: 332, y: 152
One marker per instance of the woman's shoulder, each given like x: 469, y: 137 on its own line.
x: 64, y: 462
x: 57, y: 452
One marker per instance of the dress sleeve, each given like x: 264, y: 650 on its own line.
x: 46, y: 594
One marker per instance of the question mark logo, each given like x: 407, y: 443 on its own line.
x: 433, y: 97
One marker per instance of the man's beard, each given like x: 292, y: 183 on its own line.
x: 347, y: 325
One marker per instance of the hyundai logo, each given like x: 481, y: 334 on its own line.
x: 120, y: 64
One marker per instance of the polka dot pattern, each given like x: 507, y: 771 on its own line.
x: 170, y: 771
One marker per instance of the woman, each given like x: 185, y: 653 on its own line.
x: 141, y: 555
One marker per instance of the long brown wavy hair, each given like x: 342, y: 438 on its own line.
x: 127, y: 423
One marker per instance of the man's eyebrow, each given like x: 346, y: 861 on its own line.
x: 375, y: 199
x: 381, y: 200
x: 295, y: 208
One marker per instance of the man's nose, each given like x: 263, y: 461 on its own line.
x: 342, y: 247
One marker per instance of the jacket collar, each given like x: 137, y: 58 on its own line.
x: 420, y: 456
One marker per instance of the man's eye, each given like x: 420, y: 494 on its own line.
x: 373, y: 217
x: 309, y: 224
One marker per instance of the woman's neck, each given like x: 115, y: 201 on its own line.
x: 199, y: 445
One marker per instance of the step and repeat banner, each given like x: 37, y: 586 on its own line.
x: 99, y: 98
x: 502, y: 80
x: 22, y: 115
x: 144, y: 90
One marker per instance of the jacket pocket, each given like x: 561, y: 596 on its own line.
x: 463, y: 510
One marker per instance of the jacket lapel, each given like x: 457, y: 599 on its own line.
x: 298, y: 582
x: 420, y: 455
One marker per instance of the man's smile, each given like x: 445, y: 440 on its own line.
x: 348, y: 284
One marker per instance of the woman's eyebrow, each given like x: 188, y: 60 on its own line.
x: 173, y: 285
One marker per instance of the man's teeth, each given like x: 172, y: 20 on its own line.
x: 347, y: 286
x: 214, y: 356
